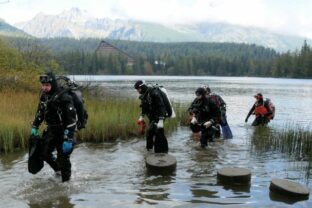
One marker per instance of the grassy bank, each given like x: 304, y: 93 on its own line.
x: 17, y: 110
x: 109, y: 119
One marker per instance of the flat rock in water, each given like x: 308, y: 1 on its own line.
x: 161, y: 161
x: 234, y: 175
x: 289, y: 188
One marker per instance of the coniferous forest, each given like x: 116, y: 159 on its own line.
x: 192, y: 58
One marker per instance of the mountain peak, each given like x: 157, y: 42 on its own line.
x: 79, y: 23
x: 40, y: 15
x: 76, y: 15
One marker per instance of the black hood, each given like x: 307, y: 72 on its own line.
x: 144, y: 89
x: 200, y: 91
x: 53, y: 82
x: 141, y: 84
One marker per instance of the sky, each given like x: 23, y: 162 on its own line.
x: 290, y: 17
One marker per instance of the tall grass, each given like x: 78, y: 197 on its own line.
x: 17, y: 110
x: 291, y: 140
x: 109, y: 119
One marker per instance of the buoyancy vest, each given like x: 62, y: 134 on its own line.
x: 260, y: 110
x: 271, y: 106
x: 217, y: 99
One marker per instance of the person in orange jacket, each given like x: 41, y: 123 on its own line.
x: 261, y: 110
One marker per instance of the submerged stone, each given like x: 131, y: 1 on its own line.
x: 289, y: 188
x: 161, y: 162
x: 234, y: 175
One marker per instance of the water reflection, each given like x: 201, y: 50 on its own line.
x: 294, y: 144
x: 155, y: 188
x: 8, y: 160
x: 200, y: 190
x: 259, y: 140
x: 236, y: 189
x: 285, y: 199
x: 114, y: 174
x: 60, y: 202
x: 203, y: 161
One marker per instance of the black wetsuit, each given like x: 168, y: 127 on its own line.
x: 59, y: 114
x: 217, y: 99
x: 205, y: 110
x: 153, y: 107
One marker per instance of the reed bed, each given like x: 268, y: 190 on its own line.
x: 109, y: 119
x: 292, y: 140
x: 17, y: 110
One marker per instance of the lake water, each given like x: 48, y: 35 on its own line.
x: 114, y: 174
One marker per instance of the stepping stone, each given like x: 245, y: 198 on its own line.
x: 161, y: 162
x: 234, y: 175
x: 289, y: 188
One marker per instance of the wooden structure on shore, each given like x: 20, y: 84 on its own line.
x: 106, y: 49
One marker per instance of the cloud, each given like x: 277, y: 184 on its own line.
x: 284, y: 16
x: 179, y: 11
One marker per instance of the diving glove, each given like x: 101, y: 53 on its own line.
x: 34, y: 131
x: 68, y: 142
x: 194, y: 120
x: 67, y: 146
x: 208, y: 124
x: 160, y: 124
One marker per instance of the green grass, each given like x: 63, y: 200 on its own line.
x: 291, y: 140
x: 110, y: 119
x: 16, y: 110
